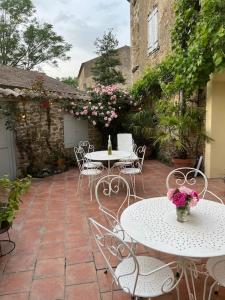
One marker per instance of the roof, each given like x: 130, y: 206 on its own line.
x: 93, y: 59
x: 16, y: 82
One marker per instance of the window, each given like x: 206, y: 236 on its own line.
x: 153, y: 39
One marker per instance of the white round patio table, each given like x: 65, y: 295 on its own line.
x: 152, y: 222
x: 103, y: 156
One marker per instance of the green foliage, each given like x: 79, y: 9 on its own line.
x: 198, y: 50
x: 24, y: 41
x: 106, y: 70
x: 142, y: 125
x: 184, y: 131
x: 72, y: 81
x: 148, y: 86
x: 14, y: 189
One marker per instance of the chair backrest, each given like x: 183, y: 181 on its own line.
x: 86, y: 146
x: 140, y: 152
x: 79, y: 154
x: 125, y: 142
x: 107, y: 191
x: 110, y: 245
x: 190, y: 177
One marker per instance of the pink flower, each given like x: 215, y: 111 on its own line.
x: 107, y: 125
x: 195, y: 199
x: 170, y: 194
x: 186, y: 190
x: 179, y: 199
x: 77, y: 113
x: 105, y: 118
x: 94, y: 123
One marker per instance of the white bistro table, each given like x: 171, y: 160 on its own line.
x: 152, y: 222
x: 103, y: 156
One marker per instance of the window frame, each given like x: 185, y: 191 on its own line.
x: 153, y: 30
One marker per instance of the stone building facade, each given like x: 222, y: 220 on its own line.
x: 141, y: 57
x: 85, y: 78
x: 35, y: 130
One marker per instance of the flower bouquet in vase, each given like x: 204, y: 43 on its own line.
x: 184, y: 198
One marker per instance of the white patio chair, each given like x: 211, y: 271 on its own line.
x: 127, y: 161
x: 106, y: 192
x: 85, y: 170
x: 139, y: 276
x: 188, y: 177
x: 125, y: 142
x: 135, y: 169
x: 87, y: 148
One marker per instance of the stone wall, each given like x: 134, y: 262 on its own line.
x: 85, y: 78
x: 39, y: 134
x: 139, y: 11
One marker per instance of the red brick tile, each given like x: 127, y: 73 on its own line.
x: 80, y: 273
x: 78, y: 255
x: 18, y: 263
x: 117, y: 295
x: 20, y: 296
x: 53, y: 236
x: 76, y: 241
x: 83, y: 292
x: 47, y: 289
x: 105, y: 281
x: 51, y: 250
x: 15, y: 282
x: 50, y: 267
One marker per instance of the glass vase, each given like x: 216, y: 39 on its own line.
x: 182, y: 214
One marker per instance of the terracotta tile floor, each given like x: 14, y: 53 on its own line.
x: 55, y: 257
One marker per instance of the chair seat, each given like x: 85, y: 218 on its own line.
x: 147, y: 286
x: 120, y: 233
x: 123, y: 163
x: 91, y: 165
x: 216, y: 269
x: 131, y: 171
x: 91, y: 172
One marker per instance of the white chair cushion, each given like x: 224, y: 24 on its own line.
x: 91, y: 172
x: 147, y: 286
x: 91, y: 165
x: 131, y: 171
x: 216, y: 269
x: 123, y: 163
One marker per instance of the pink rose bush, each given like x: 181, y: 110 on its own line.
x: 106, y: 104
x: 183, y: 197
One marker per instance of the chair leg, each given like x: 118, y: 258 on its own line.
x: 143, y: 186
x: 91, y: 184
x: 211, y: 289
x: 205, y: 285
x: 78, y: 184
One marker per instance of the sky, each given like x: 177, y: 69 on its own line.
x: 80, y: 22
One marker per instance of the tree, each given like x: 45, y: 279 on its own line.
x: 73, y: 81
x: 106, y: 67
x: 24, y: 42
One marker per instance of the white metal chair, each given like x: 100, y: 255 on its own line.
x: 135, y: 169
x: 125, y: 142
x: 87, y: 148
x: 139, y: 276
x: 188, y: 177
x: 128, y: 161
x: 85, y: 169
x: 215, y: 267
x: 108, y: 190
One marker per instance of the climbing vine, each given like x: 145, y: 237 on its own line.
x: 198, y: 50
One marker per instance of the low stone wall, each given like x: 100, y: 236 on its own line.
x: 39, y: 134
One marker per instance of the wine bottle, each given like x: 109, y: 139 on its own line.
x: 109, y: 146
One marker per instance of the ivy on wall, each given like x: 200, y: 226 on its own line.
x: 198, y: 50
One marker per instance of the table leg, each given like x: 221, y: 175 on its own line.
x: 189, y: 266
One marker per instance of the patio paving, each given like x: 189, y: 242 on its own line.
x: 55, y: 257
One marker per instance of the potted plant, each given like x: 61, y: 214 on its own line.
x: 182, y: 130
x: 10, y: 198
